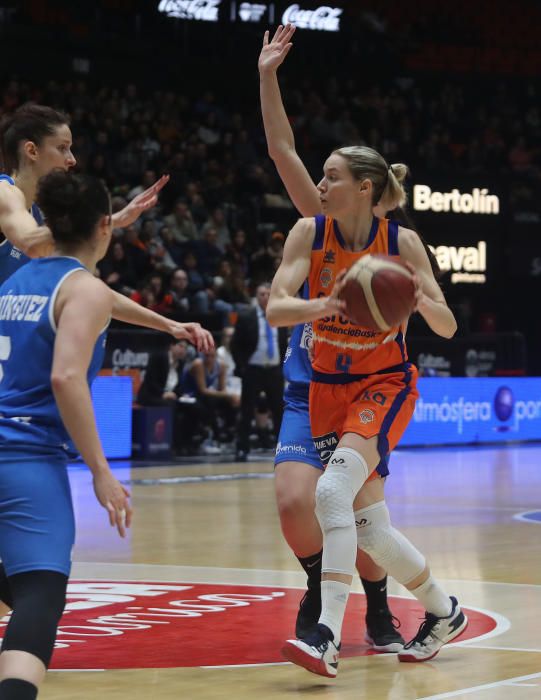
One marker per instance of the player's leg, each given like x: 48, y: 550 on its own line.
x: 297, y: 470
x: 393, y: 551
x: 360, y: 450
x: 381, y: 625
x: 36, y: 538
x: 396, y: 554
x: 295, y: 484
x: 38, y: 602
x: 349, y: 467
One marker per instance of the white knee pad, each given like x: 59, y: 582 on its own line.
x: 346, y: 473
x: 335, y: 491
x: 387, y: 546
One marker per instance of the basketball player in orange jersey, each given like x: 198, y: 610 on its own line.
x: 298, y: 464
x: 362, y: 394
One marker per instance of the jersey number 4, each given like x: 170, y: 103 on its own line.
x: 5, y: 351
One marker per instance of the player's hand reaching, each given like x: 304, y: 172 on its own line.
x: 145, y: 200
x: 194, y: 333
x: 274, y: 52
x: 114, y: 498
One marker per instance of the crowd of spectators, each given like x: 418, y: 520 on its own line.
x: 219, y: 228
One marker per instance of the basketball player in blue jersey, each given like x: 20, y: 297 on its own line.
x: 53, y: 318
x: 34, y: 140
x: 298, y: 463
x: 296, y: 480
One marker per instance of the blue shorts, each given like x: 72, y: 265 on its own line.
x: 295, y: 443
x: 37, y: 526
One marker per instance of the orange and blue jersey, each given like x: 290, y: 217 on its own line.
x: 362, y: 382
x: 340, y: 345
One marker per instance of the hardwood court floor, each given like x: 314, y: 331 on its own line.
x: 209, y: 534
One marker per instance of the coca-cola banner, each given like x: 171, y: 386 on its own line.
x: 322, y: 18
x: 304, y: 15
x: 203, y: 10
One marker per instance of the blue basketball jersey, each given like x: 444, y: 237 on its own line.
x: 29, y: 417
x: 11, y: 258
x: 297, y: 365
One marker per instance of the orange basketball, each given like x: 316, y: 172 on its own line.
x: 379, y: 292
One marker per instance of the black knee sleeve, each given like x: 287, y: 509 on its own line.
x: 17, y: 689
x: 5, y: 593
x: 39, y: 598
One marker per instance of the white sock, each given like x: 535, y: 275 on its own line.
x: 433, y: 597
x: 334, y: 598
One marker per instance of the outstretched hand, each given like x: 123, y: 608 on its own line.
x: 274, y: 52
x: 194, y: 333
x: 145, y: 200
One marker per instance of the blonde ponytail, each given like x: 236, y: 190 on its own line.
x: 365, y: 162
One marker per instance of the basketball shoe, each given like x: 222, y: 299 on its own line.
x: 382, y: 633
x: 433, y: 633
x: 317, y: 652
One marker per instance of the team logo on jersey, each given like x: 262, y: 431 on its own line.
x: 330, y: 257
x: 325, y: 277
x: 367, y: 415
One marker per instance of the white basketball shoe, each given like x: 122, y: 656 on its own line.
x: 317, y: 652
x: 433, y: 634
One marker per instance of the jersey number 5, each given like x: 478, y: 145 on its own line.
x: 5, y: 351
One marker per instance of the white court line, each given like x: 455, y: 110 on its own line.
x: 473, y: 645
x: 485, y: 686
x: 275, y: 663
x: 75, y: 670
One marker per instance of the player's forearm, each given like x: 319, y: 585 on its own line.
x: 288, y: 311
x: 74, y: 402
x: 129, y: 311
x: 439, y: 316
x: 278, y: 131
x: 30, y: 241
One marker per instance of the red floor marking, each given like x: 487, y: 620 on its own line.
x: 119, y: 624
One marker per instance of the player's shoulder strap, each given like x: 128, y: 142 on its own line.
x: 320, y: 232
x: 7, y: 178
x: 392, y: 232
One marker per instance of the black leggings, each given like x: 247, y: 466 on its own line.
x: 37, y: 599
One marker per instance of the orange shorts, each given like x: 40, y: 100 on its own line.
x: 379, y: 404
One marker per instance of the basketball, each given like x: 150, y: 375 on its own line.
x: 379, y: 292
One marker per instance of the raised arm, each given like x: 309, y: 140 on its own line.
x: 431, y: 303
x: 278, y: 132
x: 284, y: 308
x: 19, y: 226
x: 82, y: 309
